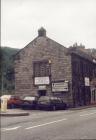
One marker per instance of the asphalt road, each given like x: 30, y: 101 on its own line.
x: 51, y: 125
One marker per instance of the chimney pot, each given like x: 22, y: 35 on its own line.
x: 41, y: 32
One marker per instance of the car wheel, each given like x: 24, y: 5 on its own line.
x: 54, y: 108
x: 65, y: 106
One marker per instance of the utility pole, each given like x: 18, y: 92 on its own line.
x: 2, y: 83
x: 1, y: 70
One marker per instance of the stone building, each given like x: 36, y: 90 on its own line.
x: 45, y: 67
x: 83, y: 75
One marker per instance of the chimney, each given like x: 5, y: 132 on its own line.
x: 42, y: 32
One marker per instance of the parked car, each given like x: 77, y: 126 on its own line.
x: 51, y: 103
x: 14, y: 102
x: 29, y: 102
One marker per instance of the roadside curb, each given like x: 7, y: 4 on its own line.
x: 83, y: 107
x: 14, y: 114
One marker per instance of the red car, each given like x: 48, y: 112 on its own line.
x: 14, y: 102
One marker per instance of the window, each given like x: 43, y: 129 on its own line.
x: 41, y: 68
x: 93, y: 96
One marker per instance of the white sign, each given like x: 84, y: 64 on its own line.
x: 87, y: 81
x: 42, y: 81
x: 42, y: 87
x: 60, y: 86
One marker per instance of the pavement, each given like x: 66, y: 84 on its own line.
x: 83, y: 107
x: 14, y: 112
x: 19, y: 112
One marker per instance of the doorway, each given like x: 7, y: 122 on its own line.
x: 42, y: 93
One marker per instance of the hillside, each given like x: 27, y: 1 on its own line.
x: 7, y: 78
x: 7, y: 56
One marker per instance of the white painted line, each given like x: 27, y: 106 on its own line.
x: 87, y: 114
x: 9, y: 129
x: 46, y: 124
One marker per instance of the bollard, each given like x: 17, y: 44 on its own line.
x: 3, y: 104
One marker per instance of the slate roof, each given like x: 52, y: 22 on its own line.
x: 83, y: 54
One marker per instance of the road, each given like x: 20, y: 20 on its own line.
x: 51, y: 125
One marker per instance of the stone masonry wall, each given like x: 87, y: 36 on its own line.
x: 42, y: 48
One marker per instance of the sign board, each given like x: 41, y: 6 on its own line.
x: 60, y: 86
x: 42, y: 87
x: 42, y: 81
x: 87, y: 81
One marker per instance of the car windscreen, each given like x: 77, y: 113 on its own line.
x: 44, y: 98
x: 53, y: 98
x: 29, y: 98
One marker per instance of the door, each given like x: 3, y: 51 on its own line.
x: 42, y: 93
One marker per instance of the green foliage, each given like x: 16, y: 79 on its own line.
x: 7, y: 56
x: 7, y: 69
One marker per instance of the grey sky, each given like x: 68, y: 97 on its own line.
x: 66, y: 21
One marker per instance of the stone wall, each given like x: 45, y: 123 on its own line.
x: 42, y: 48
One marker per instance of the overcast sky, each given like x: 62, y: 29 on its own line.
x: 66, y: 21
